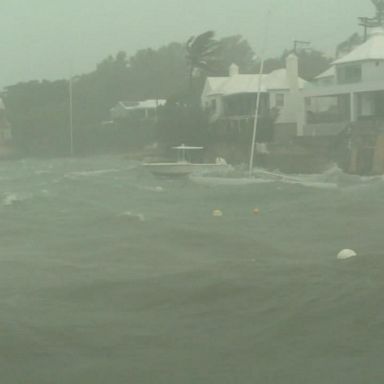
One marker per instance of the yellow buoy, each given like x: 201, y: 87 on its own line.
x: 256, y: 211
x: 217, y: 213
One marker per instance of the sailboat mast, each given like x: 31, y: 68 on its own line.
x: 70, y: 96
x: 255, y: 122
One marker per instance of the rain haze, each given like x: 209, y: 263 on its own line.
x: 45, y: 39
x: 191, y: 192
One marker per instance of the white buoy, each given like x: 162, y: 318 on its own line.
x: 217, y: 213
x: 130, y: 216
x: 346, y: 254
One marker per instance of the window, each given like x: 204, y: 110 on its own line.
x: 349, y: 74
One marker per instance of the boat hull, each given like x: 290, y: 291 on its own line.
x: 182, y: 169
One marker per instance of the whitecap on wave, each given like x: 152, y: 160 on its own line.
x: 313, y: 180
x: 241, y: 177
x: 227, y: 181
x: 12, y: 199
x: 97, y: 172
x: 132, y: 216
x: 43, y: 172
x: 157, y: 188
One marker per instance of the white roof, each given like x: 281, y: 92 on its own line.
x: 330, y: 72
x: 343, y: 89
x: 146, y: 104
x: 213, y: 84
x: 278, y: 79
x: 235, y: 84
x: 183, y: 146
x: 242, y: 84
x: 372, y: 49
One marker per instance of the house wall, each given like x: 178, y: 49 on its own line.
x: 322, y: 104
x: 214, y: 106
x: 367, y: 107
x: 205, y: 98
x: 373, y: 70
x: 324, y: 81
x: 278, y: 98
x: 244, y: 104
x: 349, y: 73
x: 293, y: 110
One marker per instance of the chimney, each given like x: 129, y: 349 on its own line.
x: 292, y: 65
x: 295, y: 101
x: 233, y: 70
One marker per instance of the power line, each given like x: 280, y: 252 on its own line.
x: 300, y: 44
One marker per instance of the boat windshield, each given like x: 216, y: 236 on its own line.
x: 186, y: 153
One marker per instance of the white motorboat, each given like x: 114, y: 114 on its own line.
x: 184, y: 166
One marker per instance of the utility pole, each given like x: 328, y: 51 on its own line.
x: 373, y: 22
x: 366, y: 23
x: 70, y: 96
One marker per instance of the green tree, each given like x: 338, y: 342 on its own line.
x: 158, y: 73
x: 311, y: 63
x: 348, y: 44
x: 38, y: 112
x: 234, y: 49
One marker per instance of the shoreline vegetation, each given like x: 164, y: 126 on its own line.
x: 40, y: 116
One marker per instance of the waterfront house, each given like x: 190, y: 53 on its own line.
x: 350, y: 91
x: 136, y: 110
x: 230, y: 101
x: 348, y: 101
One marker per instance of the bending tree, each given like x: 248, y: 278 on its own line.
x: 348, y: 45
x: 201, y: 55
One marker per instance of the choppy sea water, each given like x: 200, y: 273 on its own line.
x: 109, y: 275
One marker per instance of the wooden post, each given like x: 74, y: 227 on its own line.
x: 352, y: 107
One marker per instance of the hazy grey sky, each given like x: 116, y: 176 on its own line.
x: 44, y: 38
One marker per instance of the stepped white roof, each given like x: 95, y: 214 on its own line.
x: 330, y: 72
x: 213, y: 84
x: 146, y: 104
x: 242, y: 84
x: 372, y: 49
x: 239, y: 83
x: 278, y: 79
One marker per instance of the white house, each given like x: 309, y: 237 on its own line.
x: 140, y: 110
x: 352, y: 90
x: 231, y: 100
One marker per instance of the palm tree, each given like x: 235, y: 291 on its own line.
x: 348, y: 45
x: 201, y: 55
